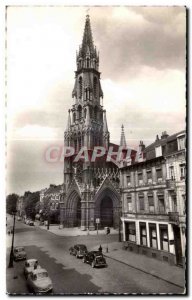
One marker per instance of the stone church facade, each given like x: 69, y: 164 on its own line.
x: 91, y: 189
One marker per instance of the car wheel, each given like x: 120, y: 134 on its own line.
x: 93, y: 264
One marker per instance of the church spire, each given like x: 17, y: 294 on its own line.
x: 123, y: 140
x: 87, y: 44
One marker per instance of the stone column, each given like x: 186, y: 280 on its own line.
x: 147, y: 231
x: 62, y: 214
x: 91, y: 216
x: 158, y: 237
x: 83, y: 215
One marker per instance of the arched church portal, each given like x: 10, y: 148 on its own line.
x: 73, y: 210
x: 107, y: 208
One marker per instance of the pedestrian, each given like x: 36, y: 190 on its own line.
x: 100, y: 249
x: 35, y: 265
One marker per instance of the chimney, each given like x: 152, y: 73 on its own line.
x: 157, y: 138
x: 141, y: 146
x: 164, y: 135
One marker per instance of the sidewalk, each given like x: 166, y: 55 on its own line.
x: 73, y: 231
x: 156, y: 268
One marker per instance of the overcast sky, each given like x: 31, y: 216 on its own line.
x: 142, y: 64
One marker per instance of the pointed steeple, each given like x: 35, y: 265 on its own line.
x: 123, y: 140
x: 87, y: 43
x: 105, y: 127
x: 69, y: 121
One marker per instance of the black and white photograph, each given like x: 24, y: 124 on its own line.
x: 96, y: 150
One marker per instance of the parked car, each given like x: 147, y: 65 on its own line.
x: 30, y: 265
x: 27, y: 221
x: 78, y: 250
x: 31, y: 223
x: 39, y: 281
x: 19, y: 253
x: 18, y: 218
x: 95, y: 259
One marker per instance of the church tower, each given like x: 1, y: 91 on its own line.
x: 88, y: 124
x: 89, y: 187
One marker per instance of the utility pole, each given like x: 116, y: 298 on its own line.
x: 119, y: 223
x: 11, y: 253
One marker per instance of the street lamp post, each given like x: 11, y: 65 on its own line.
x: 12, y: 245
x: 119, y: 225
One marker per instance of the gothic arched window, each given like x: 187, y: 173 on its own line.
x: 80, y: 87
x: 74, y: 117
x: 85, y: 112
x: 80, y: 111
x: 88, y: 62
x: 95, y: 87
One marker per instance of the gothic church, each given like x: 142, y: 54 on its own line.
x: 91, y: 189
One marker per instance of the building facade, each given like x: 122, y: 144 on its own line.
x: 153, y: 200
x: 91, y: 189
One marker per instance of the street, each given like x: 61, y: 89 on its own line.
x: 69, y: 274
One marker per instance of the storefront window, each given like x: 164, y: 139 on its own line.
x: 130, y: 231
x: 153, y: 235
x: 143, y: 234
x: 164, y: 237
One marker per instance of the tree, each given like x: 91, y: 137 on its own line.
x: 11, y: 203
x: 31, y: 203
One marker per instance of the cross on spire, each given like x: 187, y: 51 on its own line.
x: 123, y: 140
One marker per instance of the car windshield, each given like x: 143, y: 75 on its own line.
x: 19, y: 250
x: 41, y: 275
x: 82, y: 247
x: 99, y: 259
x: 31, y: 263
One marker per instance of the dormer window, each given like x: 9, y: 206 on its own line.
x: 181, y: 142
x: 158, y: 151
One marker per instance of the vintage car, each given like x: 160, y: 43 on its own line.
x: 31, y: 223
x: 78, y: 250
x: 39, y: 281
x: 95, y: 259
x: 19, y: 253
x: 30, y: 265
